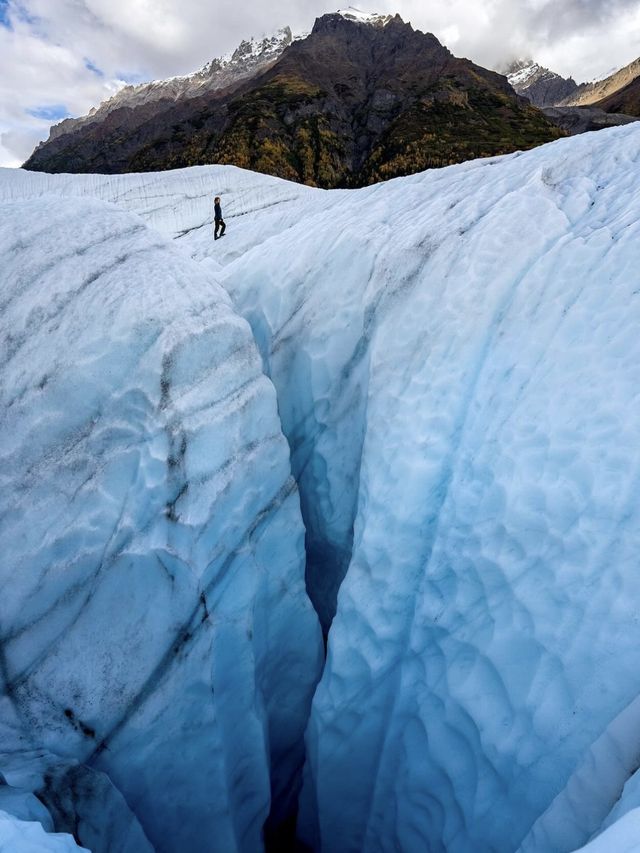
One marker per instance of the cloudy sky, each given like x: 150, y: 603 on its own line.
x: 61, y: 57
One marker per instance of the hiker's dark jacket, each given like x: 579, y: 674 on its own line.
x: 218, y: 212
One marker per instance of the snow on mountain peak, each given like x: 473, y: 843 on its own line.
x: 257, y: 48
x: 251, y: 56
x: 538, y: 84
x: 248, y: 58
x: 522, y: 71
x: 351, y: 13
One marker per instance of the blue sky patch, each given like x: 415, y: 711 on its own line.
x: 4, y: 14
x: 18, y: 11
x: 50, y: 112
x: 91, y: 66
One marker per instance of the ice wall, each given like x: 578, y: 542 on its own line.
x: 154, y: 622
x: 457, y: 361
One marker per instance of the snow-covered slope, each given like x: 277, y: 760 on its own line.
x: 179, y: 203
x: 154, y: 621
x: 456, y: 360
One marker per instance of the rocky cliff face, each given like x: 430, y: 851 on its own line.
x: 626, y: 100
x: 355, y: 102
x: 577, y: 120
x: 600, y: 90
x: 538, y: 84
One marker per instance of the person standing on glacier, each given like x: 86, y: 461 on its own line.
x: 219, y: 221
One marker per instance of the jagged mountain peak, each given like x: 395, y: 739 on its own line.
x: 521, y: 70
x: 252, y: 56
x: 254, y: 48
x: 537, y: 83
x: 368, y: 22
x: 517, y: 65
x: 606, y: 101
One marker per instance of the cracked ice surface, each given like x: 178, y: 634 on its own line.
x: 457, y: 362
x: 154, y: 623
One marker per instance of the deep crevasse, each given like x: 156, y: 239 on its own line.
x: 455, y: 357
x: 487, y: 627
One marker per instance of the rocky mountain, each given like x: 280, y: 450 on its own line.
x: 600, y: 91
x: 608, y: 102
x: 575, y: 120
x: 538, y: 84
x: 250, y: 58
x: 362, y: 98
x: 625, y: 100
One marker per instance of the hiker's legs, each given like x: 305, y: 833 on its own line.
x: 216, y: 229
x: 224, y: 227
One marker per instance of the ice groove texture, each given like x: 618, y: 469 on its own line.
x: 154, y: 624
x: 486, y: 446
x: 457, y: 361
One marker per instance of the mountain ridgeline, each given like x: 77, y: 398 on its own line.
x: 351, y: 104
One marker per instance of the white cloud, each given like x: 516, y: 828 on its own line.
x: 37, y: 73
x: 44, y: 56
x: 584, y: 38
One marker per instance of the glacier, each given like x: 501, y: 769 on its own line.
x: 622, y: 837
x: 455, y: 356
x: 159, y: 651
x: 20, y: 836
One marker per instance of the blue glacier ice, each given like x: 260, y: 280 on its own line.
x: 456, y: 359
x: 21, y: 836
x: 155, y: 630
x: 458, y: 375
x: 622, y: 837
